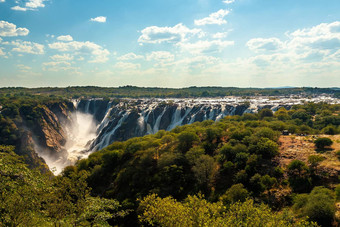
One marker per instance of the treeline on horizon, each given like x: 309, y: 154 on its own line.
x: 156, y: 92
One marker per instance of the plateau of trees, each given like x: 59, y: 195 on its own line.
x: 155, y: 92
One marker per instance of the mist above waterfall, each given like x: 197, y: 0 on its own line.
x: 80, y: 133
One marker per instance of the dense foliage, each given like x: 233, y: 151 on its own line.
x: 28, y: 198
x: 230, y: 160
x: 196, y: 211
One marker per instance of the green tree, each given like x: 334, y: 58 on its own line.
x: 314, y: 161
x: 298, y: 176
x: 196, y: 211
x: 236, y: 193
x: 186, y: 140
x: 321, y: 143
x: 21, y: 191
x: 204, y: 168
x: 318, y: 205
x: 265, y: 147
x: 266, y: 113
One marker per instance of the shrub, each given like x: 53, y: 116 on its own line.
x: 321, y: 143
x: 266, y: 113
x: 236, y: 193
x: 338, y: 154
x: 318, y: 205
x: 186, y: 140
x: 299, y: 178
x: 337, y: 192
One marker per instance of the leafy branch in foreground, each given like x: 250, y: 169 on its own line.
x: 196, y: 211
x: 29, y: 198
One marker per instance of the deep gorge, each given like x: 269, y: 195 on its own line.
x: 71, y: 130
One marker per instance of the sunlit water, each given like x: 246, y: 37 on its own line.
x: 80, y: 132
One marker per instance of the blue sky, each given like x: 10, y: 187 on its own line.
x: 243, y: 43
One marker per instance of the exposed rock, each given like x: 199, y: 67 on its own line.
x: 30, y: 155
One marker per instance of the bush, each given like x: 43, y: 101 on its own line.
x: 237, y: 193
x: 330, y: 130
x: 318, y: 205
x: 321, y: 143
x: 186, y: 140
x: 196, y: 211
x: 266, y: 148
x: 337, y: 192
x: 266, y: 113
x: 301, y: 114
x: 338, y: 154
x: 299, y: 178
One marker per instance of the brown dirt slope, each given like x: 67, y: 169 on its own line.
x: 301, y: 147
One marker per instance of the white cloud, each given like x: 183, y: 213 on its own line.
x: 29, y: 5
x: 127, y: 66
x: 309, y: 46
x: 197, y: 62
x: 27, y: 47
x: 60, y: 66
x: 214, y: 18
x: 98, y: 53
x: 19, y: 8
x: 260, y: 44
x: 228, y: 1
x: 2, y: 0
x: 65, y: 38
x: 64, y: 57
x: 161, y: 56
x: 130, y: 56
x: 100, y: 19
x: 2, y: 53
x: 57, y: 63
x: 35, y: 3
x: 174, y: 34
x: 220, y: 35
x: 205, y: 47
x: 325, y: 36
x: 9, y: 29
x: 24, y: 68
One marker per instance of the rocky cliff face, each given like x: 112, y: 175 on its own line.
x: 64, y: 132
x: 131, y: 118
x: 45, y: 136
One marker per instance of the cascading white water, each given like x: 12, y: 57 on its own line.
x: 81, y: 131
x: 176, y: 118
x: 86, y: 135
x: 158, y: 121
x: 106, y: 140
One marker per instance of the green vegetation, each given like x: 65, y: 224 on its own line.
x: 20, y: 116
x: 29, y: 198
x: 230, y: 161
x: 207, y: 173
x: 338, y: 154
x: 318, y: 205
x: 140, y: 92
x: 196, y: 211
x: 321, y: 143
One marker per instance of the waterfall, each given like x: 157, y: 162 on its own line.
x: 96, y: 123
x: 150, y: 116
